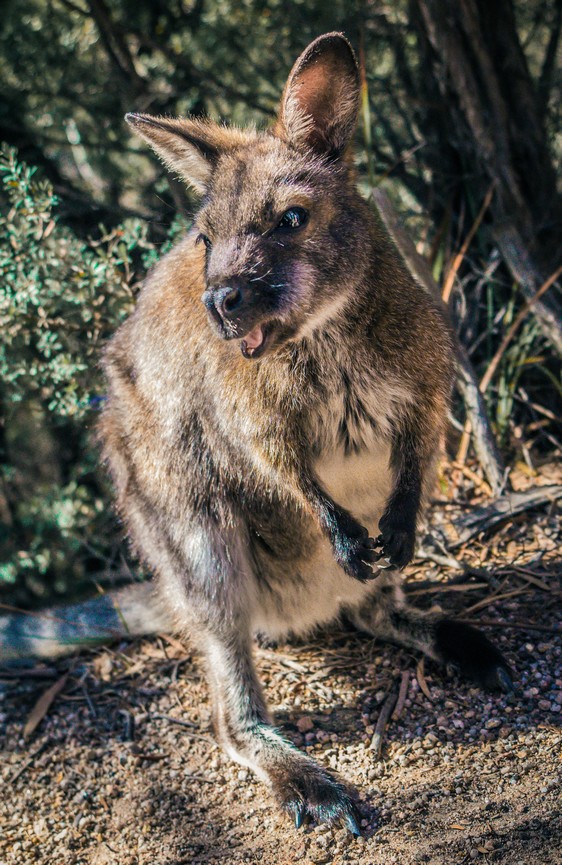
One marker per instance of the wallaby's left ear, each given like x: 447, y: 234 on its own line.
x: 189, y: 146
x: 321, y: 98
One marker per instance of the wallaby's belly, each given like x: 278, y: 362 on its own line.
x: 312, y: 589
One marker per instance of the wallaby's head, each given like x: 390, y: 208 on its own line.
x: 281, y: 221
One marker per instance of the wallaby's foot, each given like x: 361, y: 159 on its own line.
x: 354, y: 550
x: 475, y: 656
x: 387, y: 616
x: 305, y: 789
x: 396, y: 542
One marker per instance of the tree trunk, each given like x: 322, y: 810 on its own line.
x: 492, y: 114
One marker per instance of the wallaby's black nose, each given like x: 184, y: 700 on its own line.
x: 227, y: 301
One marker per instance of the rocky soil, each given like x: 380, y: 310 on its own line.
x: 122, y: 768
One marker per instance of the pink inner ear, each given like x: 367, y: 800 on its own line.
x: 314, y: 93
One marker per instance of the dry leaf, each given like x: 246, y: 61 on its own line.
x: 176, y: 644
x: 102, y: 666
x: 42, y: 706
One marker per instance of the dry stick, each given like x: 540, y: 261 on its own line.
x: 420, y: 676
x: 476, y: 479
x: 467, y: 381
x: 459, y: 257
x: 402, y: 694
x: 482, y: 519
x: 383, y: 719
x: 493, y: 365
x: 173, y: 720
x: 516, y: 625
x: 43, y: 705
x: 481, y: 605
x: 477, y: 419
x: 462, y: 452
x: 186, y: 725
x: 25, y: 766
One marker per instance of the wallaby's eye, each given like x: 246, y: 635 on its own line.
x: 202, y: 238
x: 293, y: 218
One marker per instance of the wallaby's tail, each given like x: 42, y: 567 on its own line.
x: 130, y: 611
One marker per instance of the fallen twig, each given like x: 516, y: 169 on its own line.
x: 187, y: 726
x: 173, y: 720
x: 420, y: 676
x: 42, y: 706
x: 459, y: 257
x: 436, y: 588
x: 491, y: 599
x: 383, y: 719
x: 516, y: 625
x: 402, y: 695
x: 25, y: 766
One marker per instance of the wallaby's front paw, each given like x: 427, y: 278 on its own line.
x: 354, y: 550
x: 310, y: 791
x: 396, y: 542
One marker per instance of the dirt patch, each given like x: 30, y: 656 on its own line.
x: 123, y: 769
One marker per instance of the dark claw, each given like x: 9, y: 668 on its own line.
x: 300, y: 811
x: 505, y: 681
x: 369, y: 555
x: 352, y: 824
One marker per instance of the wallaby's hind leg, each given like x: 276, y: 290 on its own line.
x: 301, y: 786
x: 387, y: 615
x: 211, y: 596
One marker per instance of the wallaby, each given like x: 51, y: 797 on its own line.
x: 275, y: 410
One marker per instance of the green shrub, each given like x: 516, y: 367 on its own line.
x: 60, y: 299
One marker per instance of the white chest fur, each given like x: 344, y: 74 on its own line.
x: 360, y: 482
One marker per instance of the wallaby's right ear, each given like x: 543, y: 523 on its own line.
x: 189, y: 147
x: 320, y: 102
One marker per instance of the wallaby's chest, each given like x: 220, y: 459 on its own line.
x: 360, y: 481
x: 352, y: 441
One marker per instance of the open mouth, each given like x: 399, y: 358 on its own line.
x: 254, y: 343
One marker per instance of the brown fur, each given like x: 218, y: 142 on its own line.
x: 224, y: 448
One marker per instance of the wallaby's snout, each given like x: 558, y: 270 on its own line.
x: 228, y: 302
x: 239, y: 310
x: 225, y: 304
x: 235, y: 314
x: 247, y: 286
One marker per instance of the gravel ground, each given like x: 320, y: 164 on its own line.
x: 123, y: 769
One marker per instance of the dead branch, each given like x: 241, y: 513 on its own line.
x: 482, y: 519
